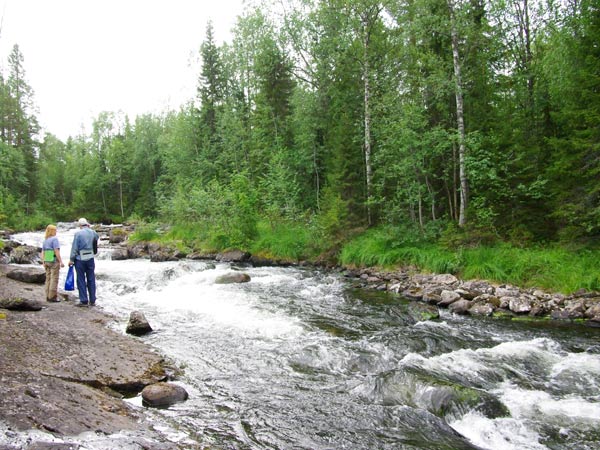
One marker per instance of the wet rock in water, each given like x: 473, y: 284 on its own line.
x: 20, y: 304
x: 34, y: 276
x: 119, y: 254
x: 163, y: 395
x: 233, y: 277
x: 461, y: 306
x: 413, y: 294
x: 423, y: 311
x: 138, y: 324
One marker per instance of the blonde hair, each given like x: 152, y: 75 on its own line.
x: 50, y: 231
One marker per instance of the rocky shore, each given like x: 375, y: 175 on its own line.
x: 64, y: 371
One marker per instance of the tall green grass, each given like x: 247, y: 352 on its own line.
x: 552, y: 268
x: 290, y: 241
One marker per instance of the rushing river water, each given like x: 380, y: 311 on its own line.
x: 296, y: 358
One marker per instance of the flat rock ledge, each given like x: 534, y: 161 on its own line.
x: 64, y: 371
x: 481, y: 298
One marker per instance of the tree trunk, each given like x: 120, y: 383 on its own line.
x: 460, y: 119
x: 367, y: 94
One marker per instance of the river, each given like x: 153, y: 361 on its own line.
x: 297, y: 358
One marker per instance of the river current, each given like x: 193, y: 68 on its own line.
x: 298, y: 359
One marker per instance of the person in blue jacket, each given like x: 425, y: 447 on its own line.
x: 83, y: 250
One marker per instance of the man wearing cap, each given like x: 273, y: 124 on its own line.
x: 85, y: 246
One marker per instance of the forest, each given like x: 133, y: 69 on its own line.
x: 339, y: 126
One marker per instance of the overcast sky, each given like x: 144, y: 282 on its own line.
x: 83, y: 57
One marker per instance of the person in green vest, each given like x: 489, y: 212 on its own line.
x: 52, y: 262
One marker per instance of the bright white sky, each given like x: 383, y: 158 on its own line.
x: 82, y: 57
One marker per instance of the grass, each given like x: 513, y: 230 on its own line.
x: 553, y: 267
x: 286, y: 240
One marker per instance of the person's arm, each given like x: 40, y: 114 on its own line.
x: 58, y: 258
x: 74, y: 250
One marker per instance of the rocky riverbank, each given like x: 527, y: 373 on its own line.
x: 64, y: 371
x: 482, y: 298
x: 467, y: 297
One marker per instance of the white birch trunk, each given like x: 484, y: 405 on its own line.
x: 460, y: 119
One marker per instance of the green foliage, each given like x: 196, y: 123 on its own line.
x: 553, y: 268
x: 290, y: 241
x: 145, y: 232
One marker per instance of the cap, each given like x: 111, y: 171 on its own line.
x: 83, y: 223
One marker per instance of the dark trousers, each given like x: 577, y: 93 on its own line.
x: 86, y: 280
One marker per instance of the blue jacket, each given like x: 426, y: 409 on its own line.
x: 85, y: 240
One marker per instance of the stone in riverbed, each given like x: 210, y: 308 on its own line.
x: 138, y: 325
x: 233, y: 277
x: 163, y: 395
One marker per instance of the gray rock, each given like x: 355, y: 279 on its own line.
x: 138, y: 324
x: 448, y: 297
x: 28, y: 275
x: 575, y: 309
x: 422, y: 311
x: 119, y: 254
x: 445, y: 278
x: 461, y: 306
x: 593, y: 311
x: 233, y: 277
x: 482, y: 309
x: 163, y: 394
x: 233, y: 256
x: 507, y: 291
x: 415, y: 293
x: 20, y: 304
x: 519, y: 305
x: 25, y: 254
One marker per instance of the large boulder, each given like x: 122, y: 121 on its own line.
x: 138, y: 324
x: 28, y: 275
x: 25, y: 254
x: 233, y: 277
x: 119, y: 254
x: 163, y: 395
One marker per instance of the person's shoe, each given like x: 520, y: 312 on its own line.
x: 92, y: 304
x: 53, y: 300
x: 81, y: 304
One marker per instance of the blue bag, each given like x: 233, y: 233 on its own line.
x: 70, y: 281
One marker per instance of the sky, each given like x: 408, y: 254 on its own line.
x: 83, y: 57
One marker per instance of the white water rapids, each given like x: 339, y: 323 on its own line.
x: 297, y: 359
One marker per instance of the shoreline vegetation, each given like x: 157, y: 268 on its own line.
x: 558, y: 268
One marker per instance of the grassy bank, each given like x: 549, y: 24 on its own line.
x: 549, y: 267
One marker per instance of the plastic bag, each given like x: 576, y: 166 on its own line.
x: 70, y: 281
